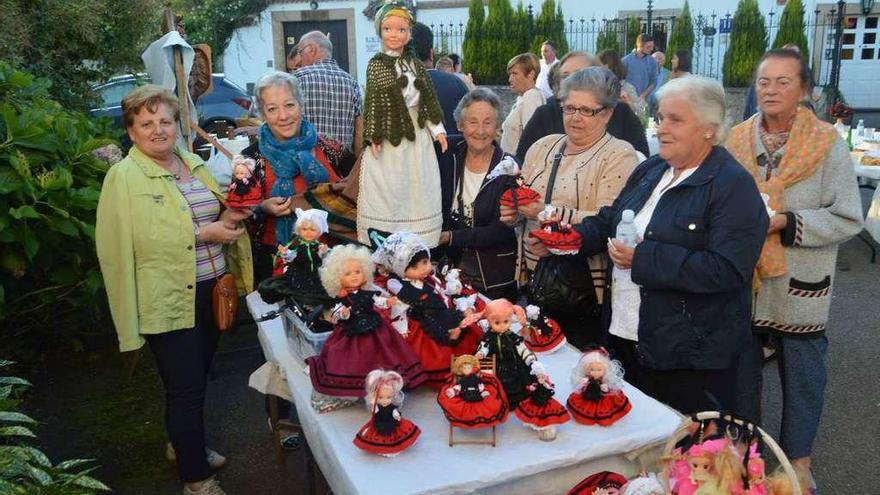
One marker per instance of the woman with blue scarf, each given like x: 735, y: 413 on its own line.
x: 288, y: 162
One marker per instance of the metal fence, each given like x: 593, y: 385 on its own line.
x: 711, y: 37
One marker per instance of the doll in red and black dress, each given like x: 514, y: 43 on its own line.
x: 544, y: 334
x: 540, y: 411
x: 361, y: 340
x: 472, y: 399
x: 387, y: 433
x: 519, y: 194
x: 244, y: 191
x: 422, y: 311
x: 597, y: 398
x: 559, y: 238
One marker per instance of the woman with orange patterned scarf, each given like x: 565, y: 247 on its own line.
x: 804, y: 170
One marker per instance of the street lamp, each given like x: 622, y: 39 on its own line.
x: 649, y: 29
x: 867, y: 6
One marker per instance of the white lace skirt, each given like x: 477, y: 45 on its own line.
x: 400, y: 190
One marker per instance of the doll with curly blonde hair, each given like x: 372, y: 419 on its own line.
x: 362, y: 340
x: 387, y: 433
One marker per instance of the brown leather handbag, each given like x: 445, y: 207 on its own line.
x: 224, y: 299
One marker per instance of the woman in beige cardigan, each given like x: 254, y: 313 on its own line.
x: 593, y: 168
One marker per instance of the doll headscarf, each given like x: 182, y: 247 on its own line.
x: 392, y: 8
x: 398, y: 250
x: 314, y: 215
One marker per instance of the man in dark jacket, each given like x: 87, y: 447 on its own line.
x: 547, y: 119
x: 450, y: 89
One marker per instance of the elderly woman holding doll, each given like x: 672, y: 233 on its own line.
x: 682, y: 290
x: 163, y: 238
x: 576, y: 173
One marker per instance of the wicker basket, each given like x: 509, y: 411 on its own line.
x: 699, y: 418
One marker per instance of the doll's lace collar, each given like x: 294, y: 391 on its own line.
x: 392, y: 53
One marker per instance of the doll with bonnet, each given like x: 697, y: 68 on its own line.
x: 243, y: 192
x: 597, y: 398
x: 434, y: 325
x: 301, y: 258
x: 361, y: 340
x: 516, y: 366
x: 472, y: 399
x: 399, y: 187
x: 387, y: 433
x: 540, y: 411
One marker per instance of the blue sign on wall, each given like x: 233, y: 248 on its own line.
x: 724, y: 25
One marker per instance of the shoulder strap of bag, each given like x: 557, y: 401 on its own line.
x: 548, y: 195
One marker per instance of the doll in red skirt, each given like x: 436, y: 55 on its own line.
x: 540, y: 411
x: 472, y: 399
x: 543, y: 333
x: 559, y: 238
x: 244, y: 191
x: 518, y: 194
x: 597, y: 398
x: 387, y: 433
x: 362, y: 340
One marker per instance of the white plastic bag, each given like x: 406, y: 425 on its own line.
x: 220, y: 167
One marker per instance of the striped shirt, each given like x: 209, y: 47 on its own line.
x: 205, y: 208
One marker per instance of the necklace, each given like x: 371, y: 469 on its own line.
x: 179, y: 167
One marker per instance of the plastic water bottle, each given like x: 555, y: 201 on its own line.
x: 626, y: 229
x: 860, y: 129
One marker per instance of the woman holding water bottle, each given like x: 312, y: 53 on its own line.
x: 689, y: 225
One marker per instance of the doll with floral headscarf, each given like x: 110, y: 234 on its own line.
x: 597, y: 398
x: 399, y: 187
x: 387, y: 433
x: 362, y: 340
x: 435, y: 326
x: 244, y: 191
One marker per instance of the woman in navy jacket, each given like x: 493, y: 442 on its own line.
x: 477, y: 242
x: 681, y: 308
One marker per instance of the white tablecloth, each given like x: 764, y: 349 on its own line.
x: 870, y: 174
x: 519, y: 464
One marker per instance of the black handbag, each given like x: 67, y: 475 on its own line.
x: 560, y: 285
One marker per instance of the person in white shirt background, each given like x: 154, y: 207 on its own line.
x: 522, y: 72
x: 548, y: 60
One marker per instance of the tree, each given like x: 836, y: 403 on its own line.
x: 471, y: 46
x: 791, y: 28
x: 608, y: 38
x: 682, y: 36
x: 748, y: 41
x: 633, y: 30
x: 550, y: 25
x: 520, y: 33
x: 496, y: 45
x: 215, y: 21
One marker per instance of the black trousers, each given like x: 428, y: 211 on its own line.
x: 184, y: 359
x: 691, y: 391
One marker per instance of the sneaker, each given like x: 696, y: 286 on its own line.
x: 215, y: 460
x: 209, y: 487
x: 292, y: 442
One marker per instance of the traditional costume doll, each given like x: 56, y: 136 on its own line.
x: 597, y: 398
x: 244, y: 191
x: 559, y: 237
x: 519, y: 194
x: 601, y: 483
x: 543, y: 333
x: 516, y: 366
x: 421, y: 311
x: 399, y: 175
x: 540, y: 411
x: 387, y: 433
x: 361, y: 340
x: 472, y: 399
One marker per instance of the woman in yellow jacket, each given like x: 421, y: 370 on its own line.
x: 163, y: 238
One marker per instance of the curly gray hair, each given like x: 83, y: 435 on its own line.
x: 476, y: 95
x: 277, y: 79
x: 598, y: 81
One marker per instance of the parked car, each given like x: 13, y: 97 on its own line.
x: 225, y: 103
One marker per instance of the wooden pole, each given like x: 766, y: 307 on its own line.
x: 182, y: 88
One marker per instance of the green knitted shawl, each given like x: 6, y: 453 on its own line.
x: 385, y: 112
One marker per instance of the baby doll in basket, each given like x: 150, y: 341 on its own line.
x: 597, y: 398
x: 387, y: 433
x: 243, y: 191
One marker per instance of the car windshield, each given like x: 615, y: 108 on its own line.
x: 112, y: 94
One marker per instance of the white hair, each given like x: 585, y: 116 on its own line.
x: 376, y: 379
x: 706, y: 98
x: 321, y: 40
x: 277, y: 78
x: 613, y: 369
x: 334, y: 263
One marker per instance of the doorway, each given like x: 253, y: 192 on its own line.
x: 337, y: 30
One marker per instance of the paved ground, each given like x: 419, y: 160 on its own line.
x: 846, y: 457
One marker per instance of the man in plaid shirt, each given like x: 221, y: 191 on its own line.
x: 332, y: 96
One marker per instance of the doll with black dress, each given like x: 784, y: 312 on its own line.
x: 598, y: 398
x: 422, y: 311
x: 362, y: 340
x: 540, y: 411
x: 472, y: 399
x: 542, y: 334
x: 516, y: 366
x: 387, y: 433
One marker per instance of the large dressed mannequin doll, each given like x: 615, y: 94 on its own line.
x: 597, y: 398
x: 422, y: 311
x: 387, y: 433
x: 516, y: 366
x: 399, y: 175
x: 361, y: 340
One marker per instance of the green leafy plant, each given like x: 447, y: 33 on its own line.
x: 24, y: 469
x: 215, y: 21
x: 791, y: 28
x: 633, y: 30
x: 550, y: 25
x: 748, y: 41
x: 608, y: 38
x: 49, y: 188
x: 520, y: 32
x: 473, y: 36
x: 682, y: 36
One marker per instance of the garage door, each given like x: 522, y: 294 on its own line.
x: 860, y: 61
